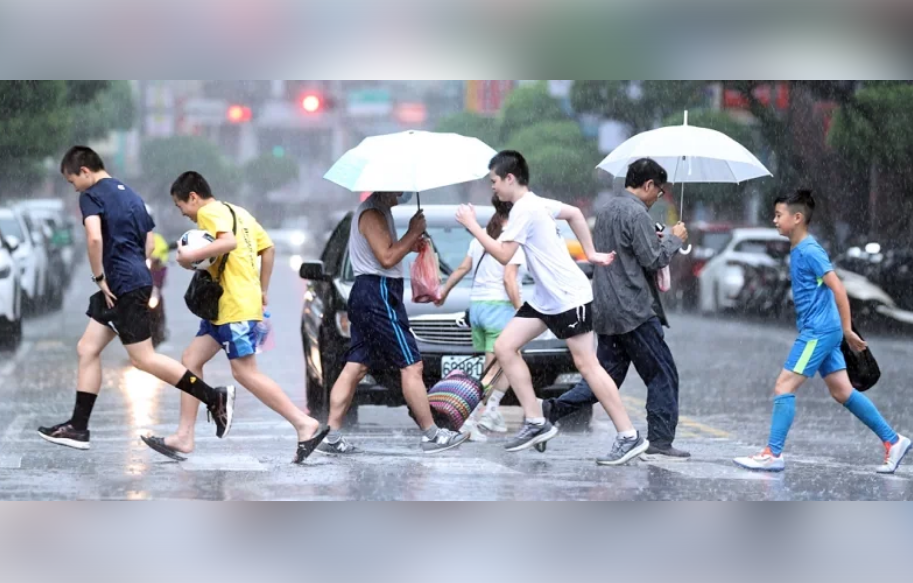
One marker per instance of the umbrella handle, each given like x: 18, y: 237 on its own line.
x: 686, y: 250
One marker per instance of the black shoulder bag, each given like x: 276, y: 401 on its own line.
x: 203, y: 294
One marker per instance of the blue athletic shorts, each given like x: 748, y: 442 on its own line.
x: 817, y: 354
x: 238, y: 339
x: 381, y: 337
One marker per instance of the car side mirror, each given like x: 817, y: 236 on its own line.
x: 12, y: 242
x: 313, y: 270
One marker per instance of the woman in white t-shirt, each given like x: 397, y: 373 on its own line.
x: 494, y: 300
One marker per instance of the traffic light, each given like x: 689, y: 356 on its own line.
x: 311, y: 102
x: 238, y: 114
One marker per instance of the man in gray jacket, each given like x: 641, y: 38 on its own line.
x: 628, y: 313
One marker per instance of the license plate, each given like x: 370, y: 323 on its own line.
x: 473, y: 366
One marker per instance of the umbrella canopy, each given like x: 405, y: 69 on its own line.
x: 688, y: 154
x: 411, y: 161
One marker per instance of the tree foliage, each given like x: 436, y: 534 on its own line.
x: 164, y: 159
x: 466, y: 123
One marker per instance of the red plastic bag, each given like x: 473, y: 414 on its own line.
x: 663, y: 279
x: 426, y: 278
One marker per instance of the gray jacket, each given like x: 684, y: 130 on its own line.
x: 625, y: 292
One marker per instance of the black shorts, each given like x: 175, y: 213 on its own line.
x: 566, y: 325
x: 130, y: 318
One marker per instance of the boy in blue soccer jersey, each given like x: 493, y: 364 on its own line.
x: 823, y: 318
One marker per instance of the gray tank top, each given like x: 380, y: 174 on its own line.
x: 360, y: 254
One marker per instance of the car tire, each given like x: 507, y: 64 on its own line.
x: 11, y: 334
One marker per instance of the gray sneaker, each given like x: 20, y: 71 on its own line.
x: 444, y: 440
x: 665, y: 454
x: 624, y: 450
x: 531, y: 435
x: 341, y: 447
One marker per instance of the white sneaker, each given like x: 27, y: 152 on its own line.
x: 475, y: 434
x: 764, y: 461
x: 894, y: 454
x: 493, y: 421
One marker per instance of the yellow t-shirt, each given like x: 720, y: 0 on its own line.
x: 242, y: 300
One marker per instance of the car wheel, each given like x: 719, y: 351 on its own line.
x: 11, y: 335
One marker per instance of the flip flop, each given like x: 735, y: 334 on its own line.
x: 158, y: 444
x: 306, y: 448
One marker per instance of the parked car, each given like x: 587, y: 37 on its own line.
x: 443, y: 340
x: 10, y: 294
x: 30, y: 254
x: 707, y: 240
x: 56, y: 242
x: 723, y: 278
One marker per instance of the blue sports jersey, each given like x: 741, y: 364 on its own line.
x: 816, y: 309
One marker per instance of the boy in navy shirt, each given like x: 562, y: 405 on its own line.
x: 823, y: 318
x: 119, y: 239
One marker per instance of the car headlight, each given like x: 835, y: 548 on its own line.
x: 342, y: 324
x: 298, y: 239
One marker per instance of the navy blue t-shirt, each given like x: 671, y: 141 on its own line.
x: 124, y: 227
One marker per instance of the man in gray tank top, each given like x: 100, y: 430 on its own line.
x: 379, y: 325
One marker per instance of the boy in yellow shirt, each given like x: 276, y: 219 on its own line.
x: 241, y: 239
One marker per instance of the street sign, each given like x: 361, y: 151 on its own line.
x: 369, y: 103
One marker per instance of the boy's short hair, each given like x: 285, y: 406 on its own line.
x: 801, y: 201
x: 644, y: 170
x: 79, y: 157
x: 510, y: 162
x: 190, y: 182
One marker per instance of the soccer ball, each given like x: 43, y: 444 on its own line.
x: 197, y: 239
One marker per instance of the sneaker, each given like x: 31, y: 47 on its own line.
x: 531, y: 435
x: 475, y: 434
x: 223, y: 410
x: 341, y: 447
x: 765, y: 461
x: 444, y: 440
x: 665, y: 454
x: 894, y: 454
x: 65, y: 434
x: 493, y: 421
x: 624, y: 450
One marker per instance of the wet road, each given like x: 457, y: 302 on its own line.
x: 727, y: 370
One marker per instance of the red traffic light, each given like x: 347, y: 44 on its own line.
x: 238, y: 114
x: 311, y: 103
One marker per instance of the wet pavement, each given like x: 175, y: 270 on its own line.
x: 727, y: 370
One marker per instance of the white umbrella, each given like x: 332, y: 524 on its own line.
x: 688, y: 154
x: 411, y: 161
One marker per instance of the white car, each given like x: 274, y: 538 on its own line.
x: 723, y: 277
x: 30, y: 254
x: 10, y: 297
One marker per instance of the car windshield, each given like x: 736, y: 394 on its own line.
x: 775, y: 249
x: 9, y: 226
x: 451, y: 243
x: 716, y: 241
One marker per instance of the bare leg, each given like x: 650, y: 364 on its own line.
x: 416, y: 395
x: 94, y: 340
x: 518, y: 333
x: 604, y: 388
x: 248, y: 375
x: 201, y: 350
x: 343, y: 392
